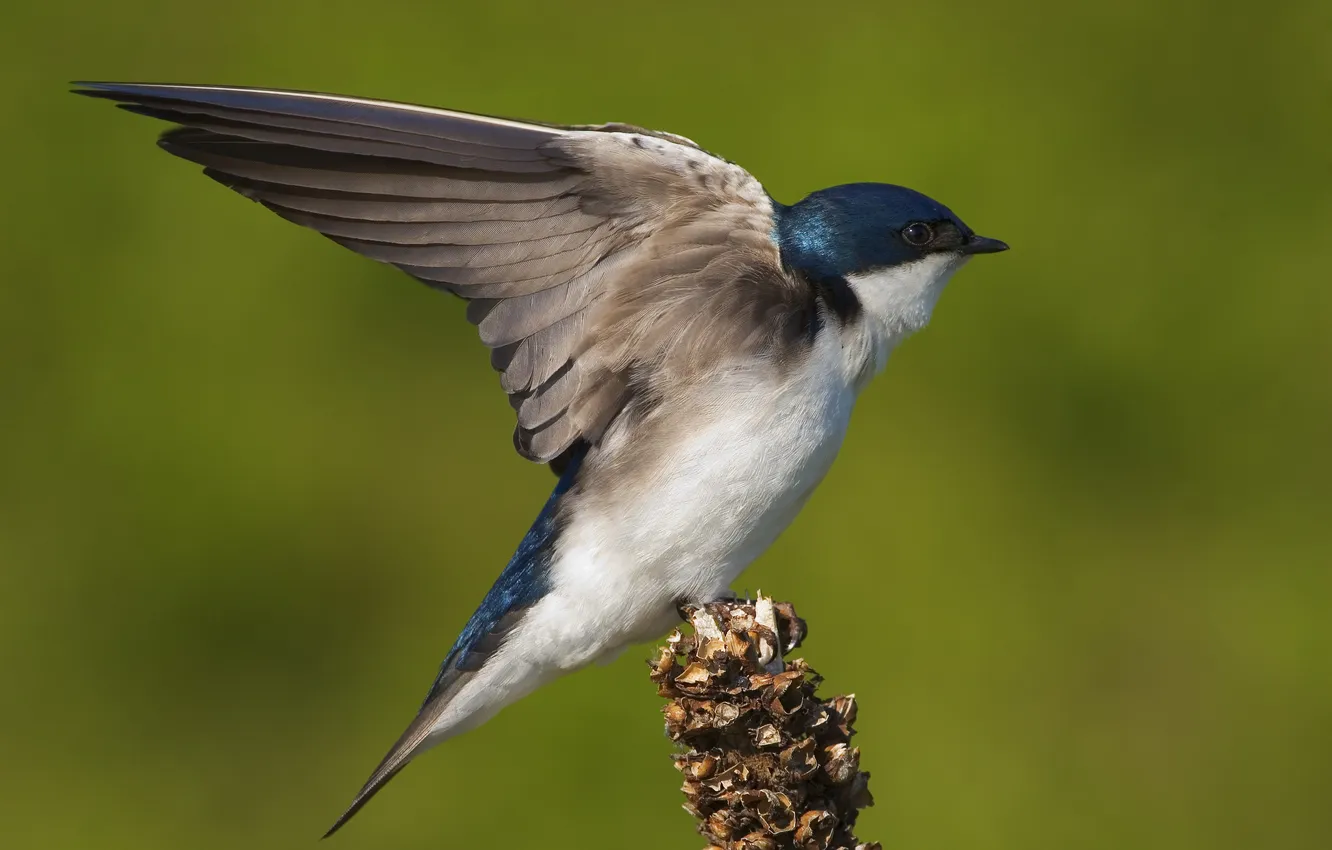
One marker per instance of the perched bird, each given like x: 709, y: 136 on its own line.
x: 683, y: 350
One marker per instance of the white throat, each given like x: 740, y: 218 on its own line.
x: 897, y: 302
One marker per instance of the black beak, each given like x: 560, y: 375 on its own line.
x: 983, y: 245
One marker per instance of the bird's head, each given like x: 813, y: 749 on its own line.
x: 894, y: 246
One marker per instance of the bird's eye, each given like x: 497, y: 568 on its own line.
x: 918, y: 233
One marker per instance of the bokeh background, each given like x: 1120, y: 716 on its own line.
x: 1075, y: 559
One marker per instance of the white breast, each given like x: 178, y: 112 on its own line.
x: 753, y: 445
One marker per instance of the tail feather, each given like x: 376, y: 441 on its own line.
x: 387, y: 770
x: 402, y: 751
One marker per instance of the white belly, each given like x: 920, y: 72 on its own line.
x: 752, y: 453
x: 678, y: 521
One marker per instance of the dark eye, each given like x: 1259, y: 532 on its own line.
x: 918, y: 233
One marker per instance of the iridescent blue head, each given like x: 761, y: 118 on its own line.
x: 860, y: 228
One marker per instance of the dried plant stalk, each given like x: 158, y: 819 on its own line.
x: 769, y: 766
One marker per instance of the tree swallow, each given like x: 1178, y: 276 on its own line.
x: 680, y: 348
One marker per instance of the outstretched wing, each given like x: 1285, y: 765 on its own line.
x: 596, y: 260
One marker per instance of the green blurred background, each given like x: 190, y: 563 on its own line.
x: 1076, y: 557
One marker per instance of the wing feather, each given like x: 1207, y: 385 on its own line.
x: 463, y: 233
x: 521, y: 257
x: 598, y: 261
x: 552, y: 398
x: 531, y: 362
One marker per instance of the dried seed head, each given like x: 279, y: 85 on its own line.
x: 770, y: 766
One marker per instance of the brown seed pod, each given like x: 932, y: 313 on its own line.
x: 756, y: 841
x: 800, y: 759
x: 841, y: 763
x: 769, y: 766
x: 844, y: 707
x: 767, y: 735
x: 816, y: 829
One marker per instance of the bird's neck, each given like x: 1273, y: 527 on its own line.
x: 895, y: 303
